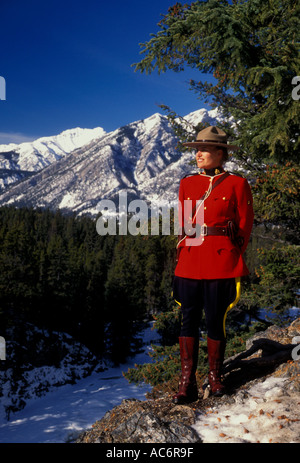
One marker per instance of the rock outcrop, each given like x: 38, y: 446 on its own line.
x: 136, y: 421
x: 262, y: 403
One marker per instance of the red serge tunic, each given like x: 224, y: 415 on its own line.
x: 215, y: 257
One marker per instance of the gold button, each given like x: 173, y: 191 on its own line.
x: 249, y: 202
x: 205, y: 207
x: 224, y: 198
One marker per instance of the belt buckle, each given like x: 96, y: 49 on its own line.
x: 204, y: 230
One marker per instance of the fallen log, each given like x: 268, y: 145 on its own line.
x: 273, y: 353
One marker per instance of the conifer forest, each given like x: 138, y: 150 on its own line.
x: 59, y: 274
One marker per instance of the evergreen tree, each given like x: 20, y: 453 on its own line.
x: 251, y: 50
x: 124, y: 298
x: 275, y: 275
x: 154, y: 262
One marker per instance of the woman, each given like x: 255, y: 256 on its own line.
x: 216, y: 218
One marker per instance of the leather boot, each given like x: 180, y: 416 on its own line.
x: 216, y: 350
x: 188, y: 391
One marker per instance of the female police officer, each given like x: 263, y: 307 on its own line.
x: 216, y: 218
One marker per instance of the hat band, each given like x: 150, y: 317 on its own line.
x: 211, y: 141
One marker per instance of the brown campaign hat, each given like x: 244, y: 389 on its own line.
x: 211, y: 136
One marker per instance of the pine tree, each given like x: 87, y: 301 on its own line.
x: 123, y: 301
x: 275, y: 275
x: 251, y: 50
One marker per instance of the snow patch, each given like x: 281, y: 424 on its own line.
x: 69, y: 200
x: 258, y: 415
x: 65, y: 411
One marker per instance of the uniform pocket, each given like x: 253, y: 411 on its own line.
x: 222, y: 205
x: 228, y: 257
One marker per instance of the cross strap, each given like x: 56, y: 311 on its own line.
x: 216, y: 183
x: 203, y: 197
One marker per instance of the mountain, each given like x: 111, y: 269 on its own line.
x: 19, y: 161
x: 140, y: 159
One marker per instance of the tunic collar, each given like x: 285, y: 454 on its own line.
x: 212, y: 172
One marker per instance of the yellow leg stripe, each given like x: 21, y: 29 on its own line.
x: 237, y: 298
x: 177, y: 302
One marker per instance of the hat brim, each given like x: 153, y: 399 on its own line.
x: 194, y: 144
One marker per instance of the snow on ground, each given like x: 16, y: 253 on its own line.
x: 65, y: 411
x: 263, y: 414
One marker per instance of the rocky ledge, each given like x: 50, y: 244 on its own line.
x: 262, y: 403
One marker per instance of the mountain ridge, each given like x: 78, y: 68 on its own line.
x: 140, y: 158
x: 30, y: 157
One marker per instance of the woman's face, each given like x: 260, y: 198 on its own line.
x: 209, y: 157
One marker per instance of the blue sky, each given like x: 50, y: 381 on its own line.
x: 68, y: 64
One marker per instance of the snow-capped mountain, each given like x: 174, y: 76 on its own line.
x: 19, y: 161
x: 140, y: 159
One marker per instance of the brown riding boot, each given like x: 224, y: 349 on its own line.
x: 216, y: 350
x: 188, y: 391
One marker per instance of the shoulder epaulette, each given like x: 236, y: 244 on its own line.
x: 235, y: 173
x: 190, y: 175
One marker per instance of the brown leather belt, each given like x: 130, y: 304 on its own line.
x: 209, y: 231
x: 214, y: 231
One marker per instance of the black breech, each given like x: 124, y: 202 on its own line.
x: 215, y: 297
